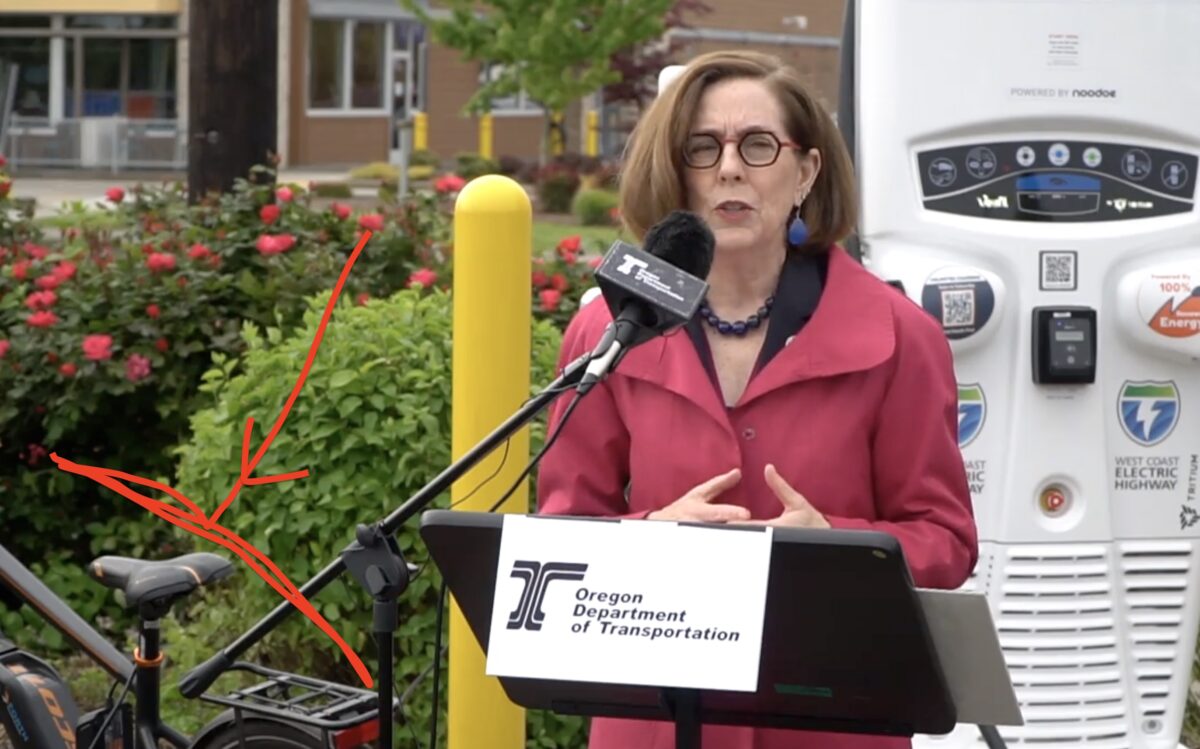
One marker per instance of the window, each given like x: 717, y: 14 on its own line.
x: 131, y: 77
x: 31, y: 55
x: 518, y: 103
x: 347, y: 65
x: 325, y: 53
x: 22, y: 21
x: 120, y: 22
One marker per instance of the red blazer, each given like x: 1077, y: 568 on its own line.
x: 859, y: 413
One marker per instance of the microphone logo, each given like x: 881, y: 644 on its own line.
x: 528, y: 614
x: 630, y: 263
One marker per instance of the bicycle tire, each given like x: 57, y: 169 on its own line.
x: 262, y: 734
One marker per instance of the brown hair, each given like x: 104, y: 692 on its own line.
x: 652, y: 174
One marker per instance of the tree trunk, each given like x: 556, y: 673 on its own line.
x: 232, y: 79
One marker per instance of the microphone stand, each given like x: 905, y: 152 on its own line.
x: 374, y: 559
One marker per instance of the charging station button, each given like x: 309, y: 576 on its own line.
x: 1054, y: 501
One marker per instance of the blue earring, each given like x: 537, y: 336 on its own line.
x: 797, y: 231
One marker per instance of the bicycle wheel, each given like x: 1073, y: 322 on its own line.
x: 262, y: 734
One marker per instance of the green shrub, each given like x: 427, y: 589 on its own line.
x: 424, y: 157
x: 376, y: 170
x: 595, y: 207
x: 472, y: 165
x: 556, y: 186
x: 372, y: 426
x: 332, y: 190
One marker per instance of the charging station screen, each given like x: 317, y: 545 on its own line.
x: 1057, y: 181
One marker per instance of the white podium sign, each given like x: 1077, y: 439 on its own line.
x: 630, y: 602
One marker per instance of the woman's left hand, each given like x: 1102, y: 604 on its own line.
x: 797, y: 511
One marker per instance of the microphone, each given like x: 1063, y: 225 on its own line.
x: 650, y: 291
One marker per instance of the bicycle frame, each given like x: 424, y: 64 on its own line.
x: 40, y: 703
x: 17, y: 578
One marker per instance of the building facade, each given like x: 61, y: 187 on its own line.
x: 103, y: 83
x: 99, y: 83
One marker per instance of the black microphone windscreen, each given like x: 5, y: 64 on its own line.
x: 683, y: 240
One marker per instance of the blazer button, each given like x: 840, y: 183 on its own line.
x: 748, y: 433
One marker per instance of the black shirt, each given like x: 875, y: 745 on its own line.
x: 796, y: 296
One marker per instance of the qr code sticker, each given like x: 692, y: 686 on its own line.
x: 958, y: 308
x: 1058, y: 271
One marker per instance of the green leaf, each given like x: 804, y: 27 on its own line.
x: 341, y: 379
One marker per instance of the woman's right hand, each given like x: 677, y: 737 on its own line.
x: 697, y: 505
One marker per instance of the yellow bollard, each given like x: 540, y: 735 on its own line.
x: 556, y: 135
x: 485, y: 135
x: 491, y: 379
x: 593, y: 133
x: 420, y: 131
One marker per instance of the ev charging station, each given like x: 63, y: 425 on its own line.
x: 1028, y: 174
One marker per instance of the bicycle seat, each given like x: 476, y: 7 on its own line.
x: 147, y: 581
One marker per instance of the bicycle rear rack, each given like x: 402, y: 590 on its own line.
x: 301, y: 699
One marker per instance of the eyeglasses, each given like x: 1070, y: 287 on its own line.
x: 757, y: 148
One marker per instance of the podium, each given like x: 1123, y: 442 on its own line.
x: 848, y: 644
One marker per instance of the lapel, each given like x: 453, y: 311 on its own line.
x: 850, y: 331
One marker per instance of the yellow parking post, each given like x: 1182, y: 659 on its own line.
x: 593, y: 133
x: 493, y: 221
x: 420, y: 131
x: 485, y: 135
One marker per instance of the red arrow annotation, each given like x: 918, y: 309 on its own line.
x: 195, y: 521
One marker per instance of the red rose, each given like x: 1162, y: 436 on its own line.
x: 569, y: 244
x: 162, y: 344
x: 362, y: 299
x: 152, y: 311
x: 273, y: 244
x: 115, y: 194
x: 199, y: 252
x: 284, y: 194
x: 550, y: 299
x: 449, y: 183
x: 137, y: 367
x: 371, y: 222
x: 20, y: 270
x: 41, y: 300
x: 559, y: 281
x: 539, y: 278
x: 43, y: 319
x: 423, y: 276
x: 4, y: 347
x: 594, y: 262
x: 65, y: 270
x: 5, y: 187
x: 97, y: 347
x: 68, y: 369
x: 160, y: 262
x: 341, y: 210
x: 48, y: 281
x: 36, y: 251
x: 269, y: 214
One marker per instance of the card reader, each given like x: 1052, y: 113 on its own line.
x: 1064, y: 345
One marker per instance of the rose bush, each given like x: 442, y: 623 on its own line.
x: 108, y: 323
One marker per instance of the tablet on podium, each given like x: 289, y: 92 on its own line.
x: 841, y: 640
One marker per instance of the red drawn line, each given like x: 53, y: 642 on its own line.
x: 195, y: 521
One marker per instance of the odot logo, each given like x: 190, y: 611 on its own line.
x: 537, y: 576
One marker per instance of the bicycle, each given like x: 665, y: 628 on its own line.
x: 285, y: 710
x: 281, y: 711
